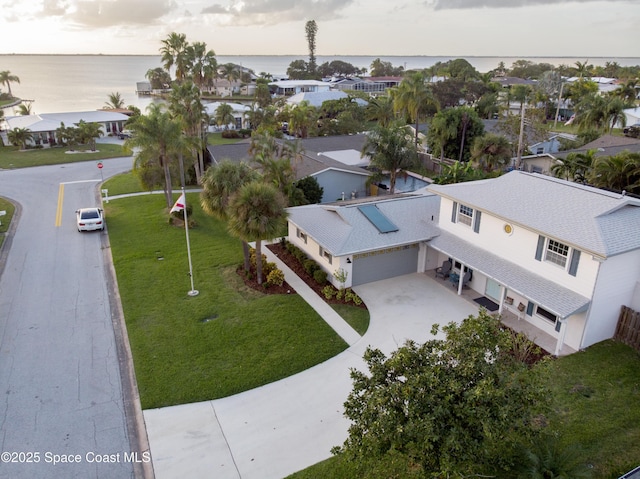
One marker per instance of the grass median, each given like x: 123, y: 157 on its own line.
x: 227, y: 339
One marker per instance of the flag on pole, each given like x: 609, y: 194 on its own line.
x: 179, y: 206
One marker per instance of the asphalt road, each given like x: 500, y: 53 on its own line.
x: 62, y: 395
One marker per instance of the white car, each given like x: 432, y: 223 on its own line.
x: 90, y: 219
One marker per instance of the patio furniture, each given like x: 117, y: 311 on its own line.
x: 455, y: 279
x: 444, y: 270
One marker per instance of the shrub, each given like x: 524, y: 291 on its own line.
x: 348, y: 295
x: 230, y: 134
x: 320, y: 276
x: 275, y: 277
x: 300, y: 255
x: 329, y: 291
x: 268, y: 267
x: 340, y: 294
x: 310, y: 266
x: 180, y: 214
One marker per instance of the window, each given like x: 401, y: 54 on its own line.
x: 557, y: 253
x: 301, y: 235
x: 326, y: 255
x: 546, y: 314
x: 465, y: 215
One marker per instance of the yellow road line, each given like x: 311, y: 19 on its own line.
x: 60, y: 200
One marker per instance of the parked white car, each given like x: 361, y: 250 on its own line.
x: 90, y: 219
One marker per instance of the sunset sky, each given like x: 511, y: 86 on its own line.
x: 589, y: 28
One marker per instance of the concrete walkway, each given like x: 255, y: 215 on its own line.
x: 283, y: 427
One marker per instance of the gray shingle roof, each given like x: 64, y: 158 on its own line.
x: 343, y: 229
x: 594, y: 220
x: 560, y: 301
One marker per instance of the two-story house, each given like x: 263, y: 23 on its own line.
x: 559, y: 255
x: 563, y: 256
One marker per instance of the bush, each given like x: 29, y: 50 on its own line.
x: 329, y: 291
x: 348, y: 295
x: 275, y: 277
x: 180, y: 214
x: 320, y: 276
x: 268, y: 267
x: 310, y: 266
x: 300, y: 255
x: 233, y: 134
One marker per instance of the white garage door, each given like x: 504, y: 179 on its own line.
x: 384, y: 264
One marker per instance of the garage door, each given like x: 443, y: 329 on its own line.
x: 384, y: 264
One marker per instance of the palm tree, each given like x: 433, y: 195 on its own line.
x: 257, y: 212
x: 381, y: 110
x: 618, y: 172
x: 159, y: 137
x: 302, y: 118
x: 614, y: 112
x: 414, y: 99
x: 19, y: 137
x: 442, y: 130
x: 185, y: 103
x: 575, y: 167
x: 202, y: 63
x: 628, y: 92
x: 6, y: 78
x: 456, y: 173
x: 24, y: 109
x: 224, y: 115
x: 219, y: 185
x: 115, y: 102
x: 88, y: 132
x: 583, y: 68
x: 490, y: 152
x: 174, y: 54
x: 390, y: 149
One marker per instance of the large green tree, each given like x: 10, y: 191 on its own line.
x: 311, y: 30
x: 449, y: 407
x: 467, y: 125
x: 256, y: 213
x: 174, y: 54
x: 160, y: 141
x: 414, y: 99
x: 490, y: 152
x: 220, y: 184
x: 390, y: 150
x: 88, y: 132
x: 619, y: 172
x: 19, y: 137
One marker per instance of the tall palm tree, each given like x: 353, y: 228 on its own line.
x: 219, y: 185
x: 257, y: 213
x: 618, y: 172
x: 575, y: 167
x: 628, y: 92
x: 185, y: 103
x: 442, y: 130
x: 115, y: 101
x: 381, y: 110
x: 224, y: 115
x: 19, y: 137
x: 174, y: 54
x: 24, y: 109
x: 614, y: 112
x: 159, y: 78
x: 159, y: 137
x: 414, y: 99
x: 6, y: 78
x: 390, y: 149
x: 202, y: 63
x: 303, y: 117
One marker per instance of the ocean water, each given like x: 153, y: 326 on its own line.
x: 61, y: 83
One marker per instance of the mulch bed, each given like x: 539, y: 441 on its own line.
x: 252, y: 283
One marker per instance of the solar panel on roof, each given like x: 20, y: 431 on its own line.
x: 377, y: 218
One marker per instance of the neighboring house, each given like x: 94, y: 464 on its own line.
x: 223, y: 87
x: 561, y: 256
x: 316, y: 99
x: 567, y: 254
x: 551, y: 144
x: 606, y: 145
x: 632, y: 116
x: 368, y: 84
x: 538, y: 163
x: 43, y: 126
x: 369, y: 240
x: 605, y: 84
x: 240, y: 119
x: 334, y: 161
x: 291, y: 87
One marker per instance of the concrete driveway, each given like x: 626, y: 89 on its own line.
x: 283, y: 427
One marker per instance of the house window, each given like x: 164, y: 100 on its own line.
x: 326, y: 255
x: 465, y: 215
x: 557, y: 253
x: 301, y: 235
x: 546, y: 314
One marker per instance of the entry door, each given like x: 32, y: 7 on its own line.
x: 492, y: 290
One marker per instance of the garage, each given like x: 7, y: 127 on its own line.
x: 385, y: 263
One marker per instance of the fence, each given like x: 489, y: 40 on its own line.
x: 628, y: 329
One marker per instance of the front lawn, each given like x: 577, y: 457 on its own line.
x: 13, y: 157
x: 5, y: 221
x: 227, y: 339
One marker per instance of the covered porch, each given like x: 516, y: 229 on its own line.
x: 525, y: 301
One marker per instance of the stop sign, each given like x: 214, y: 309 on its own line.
x: 100, y: 165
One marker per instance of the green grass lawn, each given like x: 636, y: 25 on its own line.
x: 227, y: 339
x: 596, y: 395
x: 12, y: 157
x: 358, y: 318
x: 5, y: 221
x: 122, y: 184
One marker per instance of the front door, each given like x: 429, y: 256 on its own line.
x: 492, y: 290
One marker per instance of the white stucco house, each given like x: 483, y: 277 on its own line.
x: 239, y: 112
x: 561, y: 256
x: 292, y: 87
x: 43, y: 126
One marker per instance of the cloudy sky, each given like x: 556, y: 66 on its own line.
x: 575, y: 28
